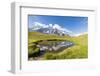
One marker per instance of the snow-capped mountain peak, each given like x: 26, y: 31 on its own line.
x: 50, y: 29
x: 38, y: 25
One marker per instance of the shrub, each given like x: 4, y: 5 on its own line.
x: 34, y: 53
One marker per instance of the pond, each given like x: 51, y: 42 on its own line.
x: 44, y: 46
x: 53, y: 46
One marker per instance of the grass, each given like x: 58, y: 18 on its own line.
x: 79, y: 50
x: 36, y: 36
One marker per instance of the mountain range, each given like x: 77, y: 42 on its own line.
x: 50, y: 29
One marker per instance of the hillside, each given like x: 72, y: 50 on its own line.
x: 35, y: 36
x: 79, y: 50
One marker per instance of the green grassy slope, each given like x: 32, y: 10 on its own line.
x: 79, y: 50
x: 36, y: 36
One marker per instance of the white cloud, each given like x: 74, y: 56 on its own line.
x: 50, y: 25
x: 40, y: 24
x: 37, y: 25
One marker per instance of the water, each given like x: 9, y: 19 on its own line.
x: 54, y: 45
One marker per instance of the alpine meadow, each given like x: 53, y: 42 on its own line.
x: 57, y: 37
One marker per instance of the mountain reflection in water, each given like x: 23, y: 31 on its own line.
x: 54, y: 46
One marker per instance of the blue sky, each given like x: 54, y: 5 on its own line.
x: 76, y: 24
